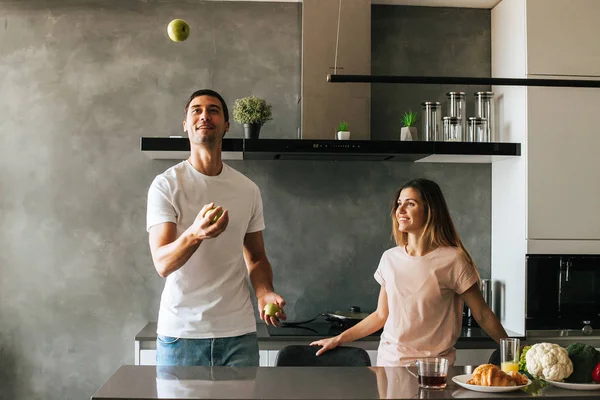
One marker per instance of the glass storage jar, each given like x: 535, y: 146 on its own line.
x: 432, y: 121
x: 452, y: 129
x: 484, y: 108
x: 457, y: 103
x: 478, y: 130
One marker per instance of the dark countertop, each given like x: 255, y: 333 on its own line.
x: 149, y: 382
x: 474, y: 338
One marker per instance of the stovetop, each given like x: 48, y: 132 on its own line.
x: 309, y: 329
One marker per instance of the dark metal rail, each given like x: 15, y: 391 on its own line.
x: 452, y: 80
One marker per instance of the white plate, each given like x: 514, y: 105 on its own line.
x: 461, y: 380
x: 575, y: 386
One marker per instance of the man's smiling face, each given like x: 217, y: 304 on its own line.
x: 205, y: 121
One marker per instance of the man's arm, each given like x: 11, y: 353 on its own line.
x: 261, y: 276
x: 169, y: 252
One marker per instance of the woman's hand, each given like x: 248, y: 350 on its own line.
x: 327, y: 344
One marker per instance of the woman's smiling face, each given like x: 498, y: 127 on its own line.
x: 410, y: 211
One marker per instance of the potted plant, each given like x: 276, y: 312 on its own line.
x: 343, y: 132
x: 252, y: 112
x: 408, y: 131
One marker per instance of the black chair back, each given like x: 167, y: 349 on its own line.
x: 304, y: 356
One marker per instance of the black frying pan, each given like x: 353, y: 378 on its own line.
x: 347, y: 317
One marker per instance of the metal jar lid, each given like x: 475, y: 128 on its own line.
x: 452, y: 120
x: 456, y: 94
x: 484, y: 94
x: 477, y: 120
x: 433, y: 104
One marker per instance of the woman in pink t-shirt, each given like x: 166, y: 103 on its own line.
x: 424, y: 281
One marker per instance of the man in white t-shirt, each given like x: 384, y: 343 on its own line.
x: 206, y: 316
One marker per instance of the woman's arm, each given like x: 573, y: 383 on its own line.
x: 367, y: 326
x: 482, y: 313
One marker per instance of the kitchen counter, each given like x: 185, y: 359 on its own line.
x: 270, y: 338
x: 131, y: 382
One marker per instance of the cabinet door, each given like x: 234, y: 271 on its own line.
x: 562, y: 37
x: 563, y: 163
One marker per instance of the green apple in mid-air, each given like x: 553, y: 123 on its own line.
x: 271, y: 309
x: 178, y: 30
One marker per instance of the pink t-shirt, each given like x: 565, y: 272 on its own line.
x: 425, y: 308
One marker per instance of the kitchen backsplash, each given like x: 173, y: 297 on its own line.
x: 327, y: 224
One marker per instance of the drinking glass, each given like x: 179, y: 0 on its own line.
x: 431, y: 372
x: 509, y: 354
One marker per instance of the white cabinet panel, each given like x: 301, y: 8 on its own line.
x: 263, y: 358
x: 562, y: 37
x: 148, y: 357
x: 563, y: 164
x: 272, y: 357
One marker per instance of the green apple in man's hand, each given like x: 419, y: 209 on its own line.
x: 271, y: 309
x: 216, y: 217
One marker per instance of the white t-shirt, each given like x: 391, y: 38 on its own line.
x: 425, y: 307
x: 208, y: 296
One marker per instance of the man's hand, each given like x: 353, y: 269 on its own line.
x: 204, y: 227
x: 267, y: 298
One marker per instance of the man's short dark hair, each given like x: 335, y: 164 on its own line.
x: 211, y: 93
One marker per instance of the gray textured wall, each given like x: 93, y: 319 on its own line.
x: 425, y: 41
x: 80, y: 82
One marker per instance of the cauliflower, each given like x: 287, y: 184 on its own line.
x: 549, y: 361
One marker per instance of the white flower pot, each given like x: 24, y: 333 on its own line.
x: 343, y: 135
x: 408, y: 133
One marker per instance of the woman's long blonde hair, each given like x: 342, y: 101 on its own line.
x: 439, y: 228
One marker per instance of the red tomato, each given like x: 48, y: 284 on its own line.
x: 596, y: 373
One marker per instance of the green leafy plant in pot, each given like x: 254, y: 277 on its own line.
x: 252, y: 112
x: 408, y: 131
x: 343, y: 132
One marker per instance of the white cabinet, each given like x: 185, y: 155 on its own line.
x: 147, y: 357
x: 562, y: 37
x: 563, y: 164
x: 547, y: 200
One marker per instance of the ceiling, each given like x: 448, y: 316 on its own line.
x: 426, y: 3
x: 442, y: 3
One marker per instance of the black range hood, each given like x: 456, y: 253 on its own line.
x: 338, y: 150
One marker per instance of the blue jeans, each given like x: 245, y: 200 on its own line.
x: 237, y: 351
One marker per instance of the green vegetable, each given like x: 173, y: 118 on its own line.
x: 522, y: 360
x: 584, y: 358
x: 536, y: 388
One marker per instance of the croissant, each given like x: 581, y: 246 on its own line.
x: 490, y: 375
x: 519, y: 378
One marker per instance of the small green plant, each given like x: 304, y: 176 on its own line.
x: 251, y: 110
x: 409, y: 118
x: 343, y: 126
